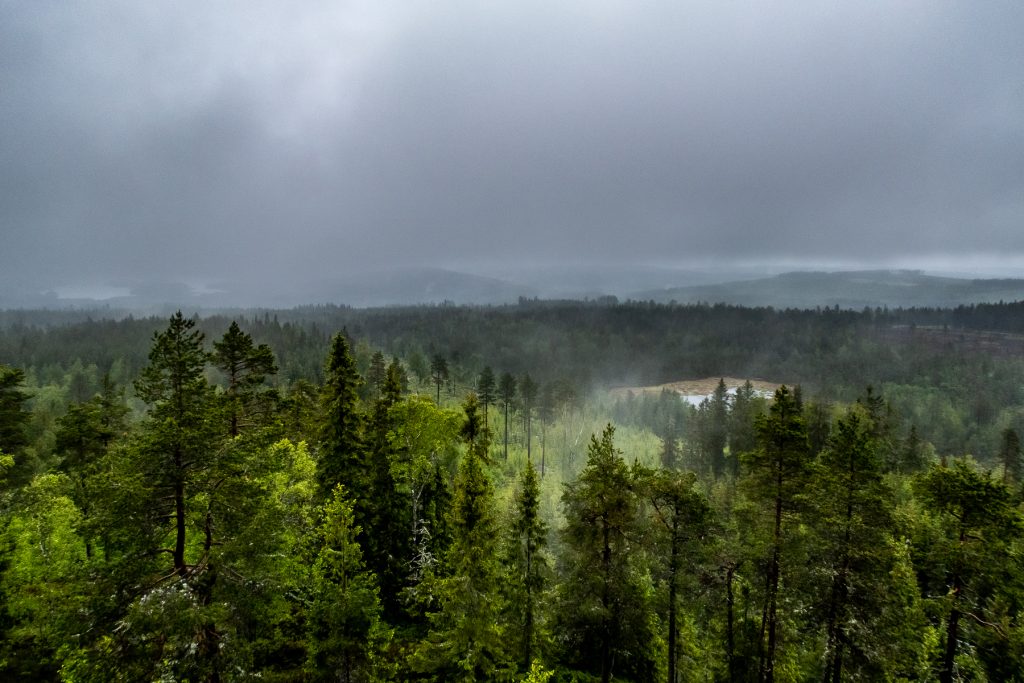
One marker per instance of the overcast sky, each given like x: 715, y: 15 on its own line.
x: 240, y: 139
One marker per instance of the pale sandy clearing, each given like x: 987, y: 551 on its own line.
x: 696, y: 387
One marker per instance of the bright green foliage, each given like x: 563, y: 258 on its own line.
x: 40, y: 591
x: 527, y: 570
x: 972, y: 559
x: 464, y: 642
x: 424, y: 444
x: 245, y: 367
x: 604, y: 618
x: 344, y: 620
x: 341, y: 441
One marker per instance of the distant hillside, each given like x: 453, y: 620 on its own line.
x: 850, y: 289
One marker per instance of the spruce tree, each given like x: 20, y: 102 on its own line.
x: 341, y: 438
x: 385, y: 538
x: 975, y: 554
x: 464, y: 642
x: 604, y: 612
x: 344, y: 626
x: 527, y: 567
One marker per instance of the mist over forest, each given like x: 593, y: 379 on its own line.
x: 558, y: 342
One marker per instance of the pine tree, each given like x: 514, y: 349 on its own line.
x: 853, y: 518
x: 1009, y: 456
x: 245, y: 367
x: 439, y: 373
x: 681, y: 523
x: 778, y: 468
x: 13, y: 419
x: 179, y: 434
x: 377, y: 373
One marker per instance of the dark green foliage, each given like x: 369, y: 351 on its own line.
x: 1009, y: 456
x: 485, y: 388
x: 439, y: 373
x: 245, y: 366
x: 777, y: 476
x: 979, y: 524
x: 177, y: 444
x: 386, y: 537
x: 852, y: 515
x: 604, y: 617
x: 680, y: 527
x: 527, y: 570
x: 341, y: 439
x: 13, y: 415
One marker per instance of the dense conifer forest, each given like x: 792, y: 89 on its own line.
x: 448, y: 493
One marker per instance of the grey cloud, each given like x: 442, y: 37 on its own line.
x: 245, y: 140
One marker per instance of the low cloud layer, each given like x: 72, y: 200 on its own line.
x: 258, y: 140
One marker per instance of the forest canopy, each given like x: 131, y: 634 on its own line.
x: 452, y: 493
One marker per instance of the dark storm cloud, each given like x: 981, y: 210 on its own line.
x: 207, y: 141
